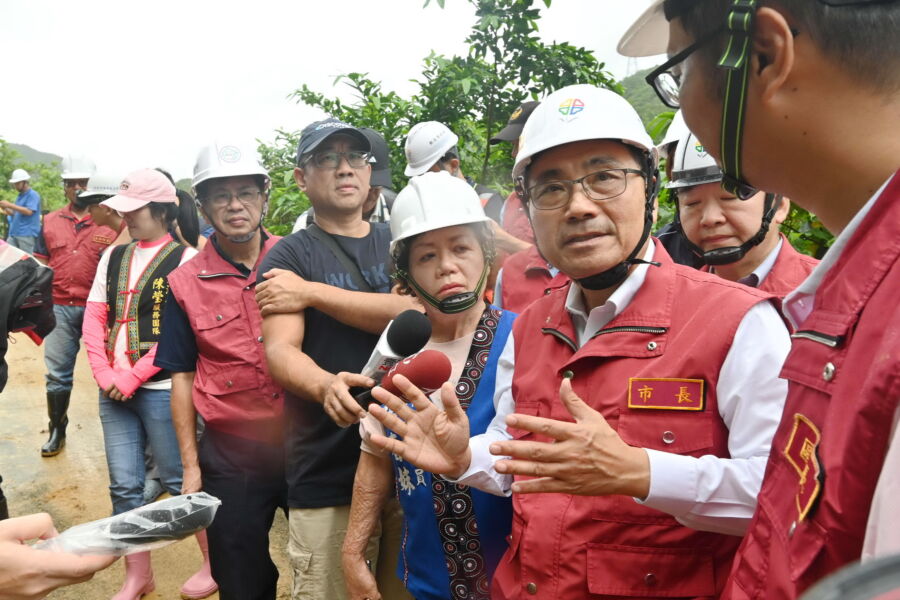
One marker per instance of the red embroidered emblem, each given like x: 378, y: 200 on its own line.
x: 801, y: 453
x: 665, y: 393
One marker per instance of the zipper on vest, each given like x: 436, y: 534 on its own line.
x: 214, y: 275
x: 631, y: 329
x: 832, y: 341
x: 561, y: 336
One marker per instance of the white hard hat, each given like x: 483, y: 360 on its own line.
x: 648, y: 35
x: 434, y: 201
x: 576, y: 113
x: 227, y: 159
x: 693, y: 165
x: 78, y: 166
x: 19, y: 175
x: 102, y: 184
x: 426, y: 143
x: 677, y: 130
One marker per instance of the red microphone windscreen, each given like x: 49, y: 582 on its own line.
x: 427, y: 370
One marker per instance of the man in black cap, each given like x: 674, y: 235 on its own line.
x: 323, y: 294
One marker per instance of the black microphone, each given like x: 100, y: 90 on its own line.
x: 405, y: 335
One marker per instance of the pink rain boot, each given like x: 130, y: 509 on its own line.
x: 138, y: 577
x: 201, y: 583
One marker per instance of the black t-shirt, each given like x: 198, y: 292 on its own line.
x: 322, y: 457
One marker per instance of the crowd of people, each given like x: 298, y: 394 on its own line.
x: 701, y: 413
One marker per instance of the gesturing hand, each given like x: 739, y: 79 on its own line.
x: 284, y: 292
x: 433, y: 439
x: 587, y: 457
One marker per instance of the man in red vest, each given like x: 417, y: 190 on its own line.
x: 642, y: 429
x: 753, y: 82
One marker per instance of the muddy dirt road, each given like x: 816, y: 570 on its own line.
x: 73, y: 486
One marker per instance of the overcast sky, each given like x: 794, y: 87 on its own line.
x: 135, y: 84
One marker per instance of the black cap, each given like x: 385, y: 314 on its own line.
x: 319, y: 131
x: 381, y: 170
x: 516, y: 123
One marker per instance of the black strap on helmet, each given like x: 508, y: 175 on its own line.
x: 732, y: 254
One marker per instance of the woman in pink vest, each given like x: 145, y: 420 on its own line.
x: 121, y: 328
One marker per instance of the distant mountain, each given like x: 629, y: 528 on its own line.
x: 31, y: 155
x: 642, y: 97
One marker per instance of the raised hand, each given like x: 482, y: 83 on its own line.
x: 587, y: 457
x: 433, y: 439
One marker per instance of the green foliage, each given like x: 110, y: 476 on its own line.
x: 644, y: 100
x: 46, y: 179
x: 473, y: 95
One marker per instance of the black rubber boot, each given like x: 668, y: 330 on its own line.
x: 4, y: 511
x: 57, y: 406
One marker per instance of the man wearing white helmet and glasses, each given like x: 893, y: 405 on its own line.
x: 752, y: 79
x: 24, y: 213
x: 620, y: 384
x: 738, y: 240
x: 212, y: 343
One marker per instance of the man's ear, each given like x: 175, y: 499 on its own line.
x: 454, y: 166
x: 782, y: 211
x: 300, y: 178
x: 772, y: 53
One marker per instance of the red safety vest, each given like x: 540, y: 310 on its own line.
x: 233, y: 390
x: 515, y: 219
x: 74, y: 247
x: 844, y: 385
x: 526, y: 277
x: 652, y: 372
x: 791, y: 268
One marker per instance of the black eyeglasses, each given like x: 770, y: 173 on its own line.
x: 357, y: 159
x: 666, y: 78
x: 599, y: 185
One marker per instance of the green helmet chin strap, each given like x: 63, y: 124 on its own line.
x: 456, y: 303
x: 736, y: 61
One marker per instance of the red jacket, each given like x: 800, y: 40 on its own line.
x: 573, y: 547
x: 73, y: 249
x: 844, y: 378
x: 233, y: 390
x: 526, y: 277
x: 515, y: 219
x: 791, y: 268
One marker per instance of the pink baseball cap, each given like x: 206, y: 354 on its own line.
x: 139, y: 189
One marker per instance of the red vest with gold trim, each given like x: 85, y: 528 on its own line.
x: 844, y: 385
x: 565, y: 546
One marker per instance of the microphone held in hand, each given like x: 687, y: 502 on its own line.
x: 427, y: 370
x: 405, y: 335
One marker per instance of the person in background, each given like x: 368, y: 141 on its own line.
x: 122, y: 324
x: 189, y: 233
x: 442, y: 247
x: 513, y: 216
x: 71, y: 243
x: 738, y: 240
x: 24, y: 213
x: 103, y: 187
x: 212, y: 343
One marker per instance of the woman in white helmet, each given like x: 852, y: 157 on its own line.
x: 738, y: 240
x: 453, y: 536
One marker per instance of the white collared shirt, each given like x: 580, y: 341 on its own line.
x: 707, y: 493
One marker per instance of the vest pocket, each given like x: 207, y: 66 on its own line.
x: 805, y: 544
x: 212, y: 321
x: 668, y: 431
x: 631, y: 571
x: 228, y: 380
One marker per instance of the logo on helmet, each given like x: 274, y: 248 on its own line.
x: 229, y: 154
x: 571, y: 107
x: 700, y: 150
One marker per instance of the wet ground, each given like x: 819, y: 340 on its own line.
x: 73, y: 486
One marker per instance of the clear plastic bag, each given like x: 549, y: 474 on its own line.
x: 145, y: 528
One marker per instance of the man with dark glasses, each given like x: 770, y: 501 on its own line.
x: 800, y: 97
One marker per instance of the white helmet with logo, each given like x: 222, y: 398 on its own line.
x: 78, y: 166
x: 693, y: 165
x: 227, y: 159
x: 19, y: 175
x: 102, y: 184
x: 433, y: 201
x: 576, y: 113
x: 426, y: 143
